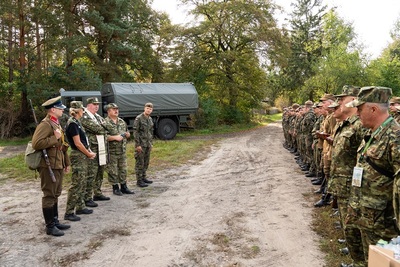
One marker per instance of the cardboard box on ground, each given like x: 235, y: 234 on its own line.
x: 381, y: 257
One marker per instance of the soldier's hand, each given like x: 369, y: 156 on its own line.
x: 91, y: 155
x: 139, y: 149
x: 127, y: 134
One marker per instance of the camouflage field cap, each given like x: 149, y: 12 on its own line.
x: 349, y: 90
x: 327, y: 97
x: 394, y: 100
x: 111, y: 106
x: 308, y: 103
x: 76, y: 104
x: 319, y: 104
x: 334, y: 105
x: 371, y: 94
x: 92, y: 100
x: 295, y: 106
x: 53, y: 103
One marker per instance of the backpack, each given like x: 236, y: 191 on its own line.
x: 32, y: 157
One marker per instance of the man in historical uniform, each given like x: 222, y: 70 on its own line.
x: 347, y: 137
x: 143, y: 134
x: 94, y: 126
x: 378, y: 160
x: 50, y: 136
x: 117, y: 166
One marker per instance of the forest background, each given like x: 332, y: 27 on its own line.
x: 234, y: 51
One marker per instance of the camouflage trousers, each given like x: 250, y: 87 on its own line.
x: 373, y: 225
x: 352, y: 234
x: 142, y: 162
x: 94, y: 178
x: 116, y: 169
x: 77, y: 189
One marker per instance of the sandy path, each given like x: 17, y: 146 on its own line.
x: 242, y: 206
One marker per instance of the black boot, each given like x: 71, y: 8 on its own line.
x: 324, y: 201
x: 141, y: 183
x: 51, y: 228
x: 56, y: 221
x: 116, y: 190
x: 125, y: 189
x: 147, y: 181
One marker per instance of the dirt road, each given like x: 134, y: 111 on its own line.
x: 241, y: 206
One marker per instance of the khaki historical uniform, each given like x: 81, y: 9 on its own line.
x: 372, y: 207
x: 44, y: 138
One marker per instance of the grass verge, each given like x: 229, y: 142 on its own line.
x: 326, y: 224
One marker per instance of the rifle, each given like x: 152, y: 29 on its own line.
x: 44, y: 151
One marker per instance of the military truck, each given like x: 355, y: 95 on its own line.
x: 173, y: 103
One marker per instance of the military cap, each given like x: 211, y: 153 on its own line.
x: 295, y: 106
x: 327, y: 97
x: 76, y: 104
x: 53, y: 103
x: 149, y: 105
x: 308, y: 103
x: 349, y: 90
x: 394, y: 100
x: 334, y: 105
x: 319, y: 104
x: 371, y: 94
x: 92, y: 100
x: 111, y: 106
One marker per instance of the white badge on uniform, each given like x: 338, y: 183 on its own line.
x: 357, y: 176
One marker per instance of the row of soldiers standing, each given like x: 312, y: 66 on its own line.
x: 351, y: 145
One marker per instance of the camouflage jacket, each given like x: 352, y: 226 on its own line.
x: 376, y: 191
x: 115, y: 147
x: 347, y: 136
x: 307, y: 123
x: 143, y: 131
x: 93, y: 127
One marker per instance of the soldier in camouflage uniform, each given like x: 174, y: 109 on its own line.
x: 285, y: 126
x: 80, y: 156
x: 347, y: 137
x: 143, y: 134
x: 372, y: 206
x: 317, y: 149
x: 292, y: 117
x: 117, y: 166
x: 307, y: 126
x: 95, y: 127
x: 394, y: 106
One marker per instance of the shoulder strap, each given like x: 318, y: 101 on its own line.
x: 379, y: 169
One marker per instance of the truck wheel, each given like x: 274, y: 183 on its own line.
x: 167, y: 129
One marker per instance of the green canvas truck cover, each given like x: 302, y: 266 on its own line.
x: 167, y: 98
